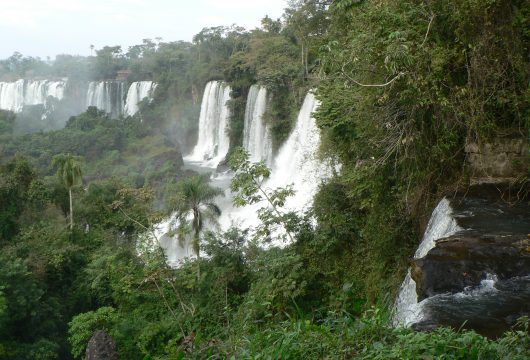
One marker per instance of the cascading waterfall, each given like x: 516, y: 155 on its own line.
x: 107, y: 96
x: 212, y: 147
x: 256, y: 135
x: 15, y: 95
x: 12, y: 96
x: 296, y: 164
x: 441, y: 225
x: 138, y: 91
x: 213, y: 142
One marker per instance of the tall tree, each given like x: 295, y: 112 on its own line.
x: 307, y: 20
x: 193, y: 205
x: 70, y: 174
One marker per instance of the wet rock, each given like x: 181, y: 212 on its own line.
x: 489, y: 309
x: 101, y: 347
x: 479, y: 277
x: 223, y: 166
x: 466, y: 260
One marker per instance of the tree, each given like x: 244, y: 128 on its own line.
x: 193, y: 206
x: 70, y: 174
x: 248, y: 187
x: 16, y: 178
x: 307, y: 21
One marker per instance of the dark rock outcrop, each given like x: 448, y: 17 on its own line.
x: 466, y: 260
x: 478, y: 278
x: 101, y: 347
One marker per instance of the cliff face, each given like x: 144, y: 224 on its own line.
x: 503, y: 159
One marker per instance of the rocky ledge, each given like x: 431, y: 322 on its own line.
x: 479, y: 277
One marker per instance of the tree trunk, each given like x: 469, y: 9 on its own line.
x: 196, y: 240
x: 306, y: 61
x: 303, y: 56
x: 71, y: 209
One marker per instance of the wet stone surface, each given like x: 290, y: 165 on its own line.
x: 478, y: 278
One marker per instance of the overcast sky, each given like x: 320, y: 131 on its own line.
x: 50, y: 27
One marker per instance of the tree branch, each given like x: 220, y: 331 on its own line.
x: 373, y: 85
x: 428, y: 29
x: 139, y: 223
x: 273, y: 206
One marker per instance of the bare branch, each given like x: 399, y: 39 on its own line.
x: 428, y: 29
x: 370, y: 85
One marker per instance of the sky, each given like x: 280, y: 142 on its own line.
x: 49, y: 27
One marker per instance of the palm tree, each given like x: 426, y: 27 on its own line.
x: 193, y: 206
x: 70, y: 174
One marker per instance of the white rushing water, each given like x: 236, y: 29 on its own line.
x: 295, y: 164
x: 107, y: 96
x: 15, y: 95
x: 175, y: 250
x: 213, y: 141
x: 138, y: 91
x: 441, y: 225
x: 256, y: 135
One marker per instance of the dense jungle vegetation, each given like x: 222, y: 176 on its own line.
x: 402, y: 84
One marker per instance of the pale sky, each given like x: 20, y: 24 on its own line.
x: 50, y: 27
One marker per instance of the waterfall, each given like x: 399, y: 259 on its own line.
x: 106, y: 96
x: 15, y: 95
x: 175, y: 249
x: 213, y: 142
x: 138, y: 91
x: 56, y: 89
x: 12, y: 96
x: 256, y: 135
x: 441, y: 225
x: 296, y: 164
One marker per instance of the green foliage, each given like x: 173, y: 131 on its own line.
x: 403, y: 85
x: 16, y: 180
x: 68, y: 170
x: 279, y: 280
x: 83, y: 326
x: 7, y: 121
x: 194, y: 204
x: 248, y: 187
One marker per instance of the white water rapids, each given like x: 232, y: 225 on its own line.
x: 441, y: 225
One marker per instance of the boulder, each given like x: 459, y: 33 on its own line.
x: 101, y: 347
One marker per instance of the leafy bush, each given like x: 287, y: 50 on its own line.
x: 83, y: 326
